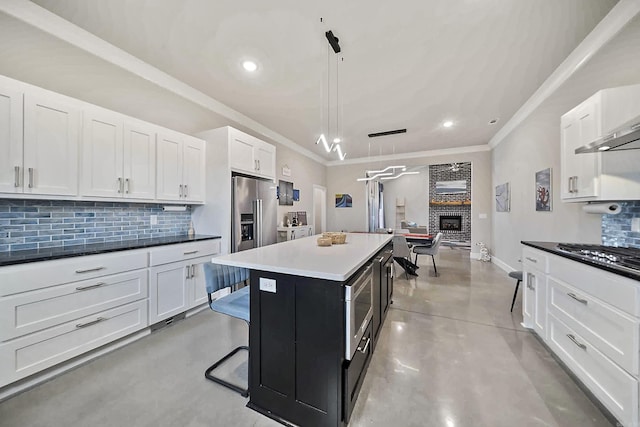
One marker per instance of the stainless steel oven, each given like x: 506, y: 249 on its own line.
x: 359, y: 310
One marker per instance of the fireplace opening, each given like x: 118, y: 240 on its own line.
x: 451, y: 223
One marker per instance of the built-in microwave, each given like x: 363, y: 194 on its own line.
x: 358, y: 310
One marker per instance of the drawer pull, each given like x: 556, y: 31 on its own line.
x: 84, y: 288
x: 93, y: 322
x: 89, y: 270
x: 533, y: 260
x: 575, y: 297
x: 366, y: 346
x: 190, y: 252
x: 17, y: 176
x: 193, y: 271
x: 576, y: 342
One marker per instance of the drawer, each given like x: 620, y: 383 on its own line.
x: 183, y: 251
x: 535, y: 259
x: 27, y: 277
x: 30, y: 354
x: 616, y: 389
x: 611, y: 331
x: 616, y: 290
x: 355, y: 371
x: 29, y: 312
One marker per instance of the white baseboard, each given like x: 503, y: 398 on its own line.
x: 503, y: 265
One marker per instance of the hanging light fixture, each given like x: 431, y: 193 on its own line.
x: 335, y: 145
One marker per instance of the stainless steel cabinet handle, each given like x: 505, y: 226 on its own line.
x: 190, y: 252
x: 30, y: 177
x: 84, y: 288
x: 180, y: 190
x: 530, y: 281
x: 575, y: 297
x: 119, y: 185
x: 258, y: 164
x: 17, y: 176
x: 93, y: 322
x: 569, y: 185
x: 193, y: 271
x: 366, y: 346
x: 186, y: 190
x: 89, y: 270
x: 532, y: 260
x: 128, y: 185
x: 576, y: 342
x: 188, y: 273
x: 575, y: 184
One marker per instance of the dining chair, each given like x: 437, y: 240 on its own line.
x: 234, y: 304
x: 429, y: 250
x: 402, y: 254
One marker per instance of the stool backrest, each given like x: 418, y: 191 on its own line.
x: 223, y: 276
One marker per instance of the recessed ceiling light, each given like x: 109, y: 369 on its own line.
x: 250, y: 66
x: 447, y: 124
x: 337, y: 140
x: 493, y: 121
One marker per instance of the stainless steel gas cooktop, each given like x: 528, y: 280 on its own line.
x: 623, y: 258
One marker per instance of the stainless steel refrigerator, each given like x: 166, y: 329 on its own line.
x: 254, y: 215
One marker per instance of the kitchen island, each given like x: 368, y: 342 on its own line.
x: 301, y: 371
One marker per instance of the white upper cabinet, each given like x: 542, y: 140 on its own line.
x: 605, y: 175
x: 180, y: 168
x: 10, y: 139
x: 250, y: 155
x: 118, y: 156
x: 51, y: 132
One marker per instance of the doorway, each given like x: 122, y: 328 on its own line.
x: 319, y: 209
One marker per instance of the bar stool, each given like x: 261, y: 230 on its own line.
x: 518, y: 276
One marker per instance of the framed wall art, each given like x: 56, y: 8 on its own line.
x: 544, y: 197
x: 503, y: 199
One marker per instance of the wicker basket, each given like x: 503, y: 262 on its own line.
x: 324, y: 241
x: 336, y: 238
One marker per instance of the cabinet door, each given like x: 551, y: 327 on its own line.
x: 265, y: 156
x: 198, y: 290
x: 10, y: 140
x: 169, y: 173
x: 139, y: 161
x: 51, y: 130
x: 586, y: 183
x: 528, y: 299
x: 241, y: 153
x: 540, y: 303
x: 168, y: 290
x: 102, y: 154
x: 570, y: 140
x: 193, y: 170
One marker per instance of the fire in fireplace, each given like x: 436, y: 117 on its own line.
x: 451, y: 223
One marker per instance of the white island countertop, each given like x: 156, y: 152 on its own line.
x: 303, y: 257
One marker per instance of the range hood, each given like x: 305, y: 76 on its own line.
x: 625, y: 139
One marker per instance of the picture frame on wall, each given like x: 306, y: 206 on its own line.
x: 544, y: 196
x: 503, y: 198
x: 344, y: 200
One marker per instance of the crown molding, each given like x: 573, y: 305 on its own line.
x: 40, y: 18
x: 619, y: 16
x: 414, y: 155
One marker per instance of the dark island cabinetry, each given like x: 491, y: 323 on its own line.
x: 298, y: 370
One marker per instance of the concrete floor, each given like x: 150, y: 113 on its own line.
x: 450, y: 354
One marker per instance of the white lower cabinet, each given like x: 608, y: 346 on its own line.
x: 177, y: 286
x: 32, y: 353
x: 589, y: 318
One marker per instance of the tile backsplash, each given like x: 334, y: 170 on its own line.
x: 616, y: 229
x: 34, y: 224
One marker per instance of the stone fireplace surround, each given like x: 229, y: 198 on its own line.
x: 439, y: 173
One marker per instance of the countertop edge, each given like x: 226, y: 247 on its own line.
x: 76, y: 251
x: 303, y: 272
x: 541, y: 246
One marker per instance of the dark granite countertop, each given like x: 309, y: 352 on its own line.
x: 551, y: 247
x: 35, y: 255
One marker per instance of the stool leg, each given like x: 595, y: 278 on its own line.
x: 514, y: 295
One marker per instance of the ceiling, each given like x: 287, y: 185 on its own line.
x: 407, y: 64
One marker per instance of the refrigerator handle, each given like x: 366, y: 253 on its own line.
x: 257, y: 220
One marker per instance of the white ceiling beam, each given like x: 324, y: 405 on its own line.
x: 414, y: 155
x: 617, y: 18
x: 40, y: 18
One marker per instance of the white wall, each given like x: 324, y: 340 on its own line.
x: 342, y: 179
x: 535, y: 145
x: 415, y: 191
x: 305, y: 172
